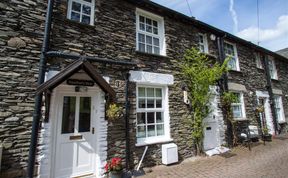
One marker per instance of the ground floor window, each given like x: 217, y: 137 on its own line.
x: 238, y: 106
x: 152, y: 121
x: 279, y: 109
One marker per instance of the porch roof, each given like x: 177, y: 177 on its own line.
x: 72, y: 69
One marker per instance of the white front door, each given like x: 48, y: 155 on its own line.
x: 75, y: 142
x: 210, y: 136
x: 266, y: 117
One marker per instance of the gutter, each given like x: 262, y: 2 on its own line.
x: 38, y: 97
x: 127, y: 111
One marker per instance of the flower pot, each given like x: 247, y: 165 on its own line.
x: 115, y: 174
x: 267, y: 137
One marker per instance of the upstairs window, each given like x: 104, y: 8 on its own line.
x: 272, y: 68
x: 81, y: 11
x: 203, y: 43
x: 150, y: 33
x: 258, y: 61
x: 238, y: 107
x: 230, y: 51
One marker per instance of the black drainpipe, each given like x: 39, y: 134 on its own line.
x: 224, y: 88
x: 127, y: 111
x: 270, y: 91
x: 38, y: 97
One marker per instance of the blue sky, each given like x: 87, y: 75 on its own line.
x: 239, y: 17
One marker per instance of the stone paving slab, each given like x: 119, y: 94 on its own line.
x: 263, y: 161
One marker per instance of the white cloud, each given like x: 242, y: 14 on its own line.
x: 234, y: 16
x: 279, y: 31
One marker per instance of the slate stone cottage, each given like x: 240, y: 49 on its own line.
x: 126, y: 51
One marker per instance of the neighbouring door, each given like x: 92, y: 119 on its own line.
x: 75, y: 145
x: 210, y: 136
x: 266, y: 116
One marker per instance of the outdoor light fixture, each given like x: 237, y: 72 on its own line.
x: 212, y: 37
x: 185, y: 94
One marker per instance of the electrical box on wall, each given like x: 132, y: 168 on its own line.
x: 169, y: 153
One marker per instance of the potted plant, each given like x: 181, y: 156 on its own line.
x: 113, y: 112
x: 114, y: 168
x: 266, y: 135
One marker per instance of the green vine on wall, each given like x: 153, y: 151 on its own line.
x: 226, y: 100
x: 199, y: 74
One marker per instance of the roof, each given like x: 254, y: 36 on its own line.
x: 72, y: 69
x: 161, y: 9
x: 283, y: 52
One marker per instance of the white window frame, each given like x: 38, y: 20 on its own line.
x: 161, y: 31
x: 239, y: 104
x: 92, y: 5
x: 258, y: 60
x: 165, y: 109
x: 279, y: 109
x: 235, y: 55
x: 273, y: 70
x: 204, y: 44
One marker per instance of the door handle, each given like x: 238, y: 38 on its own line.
x: 93, y: 130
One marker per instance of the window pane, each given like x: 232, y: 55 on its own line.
x: 150, y: 103
x: 148, y: 21
x: 159, y: 117
x: 141, y: 92
x: 141, y: 132
x: 151, y: 130
x: 201, y: 48
x: 159, y: 103
x: 68, y: 116
x: 155, y: 23
x: 141, y: 103
x: 150, y: 117
x: 76, y: 6
x: 149, y: 28
x: 86, y: 19
x: 149, y: 49
x: 149, y: 40
x: 142, y: 26
x: 156, y: 42
x: 160, y: 129
x: 232, y: 63
x: 158, y: 92
x: 75, y: 16
x: 142, y: 19
x: 86, y: 10
x: 142, y: 47
x: 201, y: 39
x: 150, y: 92
x: 155, y: 31
x: 237, y: 111
x: 141, y: 38
x: 141, y: 118
x: 85, y: 114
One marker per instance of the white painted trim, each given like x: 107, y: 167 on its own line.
x: 161, y: 29
x: 166, y: 117
x: 92, y: 5
x: 236, y: 55
x: 205, y: 42
x: 150, y: 78
x: 242, y: 106
x: 47, y: 162
x: 236, y: 87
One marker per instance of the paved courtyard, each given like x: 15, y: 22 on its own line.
x: 265, y: 161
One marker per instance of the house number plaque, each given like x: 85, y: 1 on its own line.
x: 80, y: 82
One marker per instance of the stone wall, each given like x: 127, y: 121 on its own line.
x: 21, y: 32
x: 113, y: 37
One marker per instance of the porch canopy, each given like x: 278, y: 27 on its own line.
x: 71, y: 69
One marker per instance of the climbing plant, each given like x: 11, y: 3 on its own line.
x: 199, y: 74
x: 227, y: 99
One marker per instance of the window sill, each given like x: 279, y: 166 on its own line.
x: 150, y: 54
x: 153, y: 141
x: 275, y: 79
x: 241, y: 119
x: 282, y: 122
